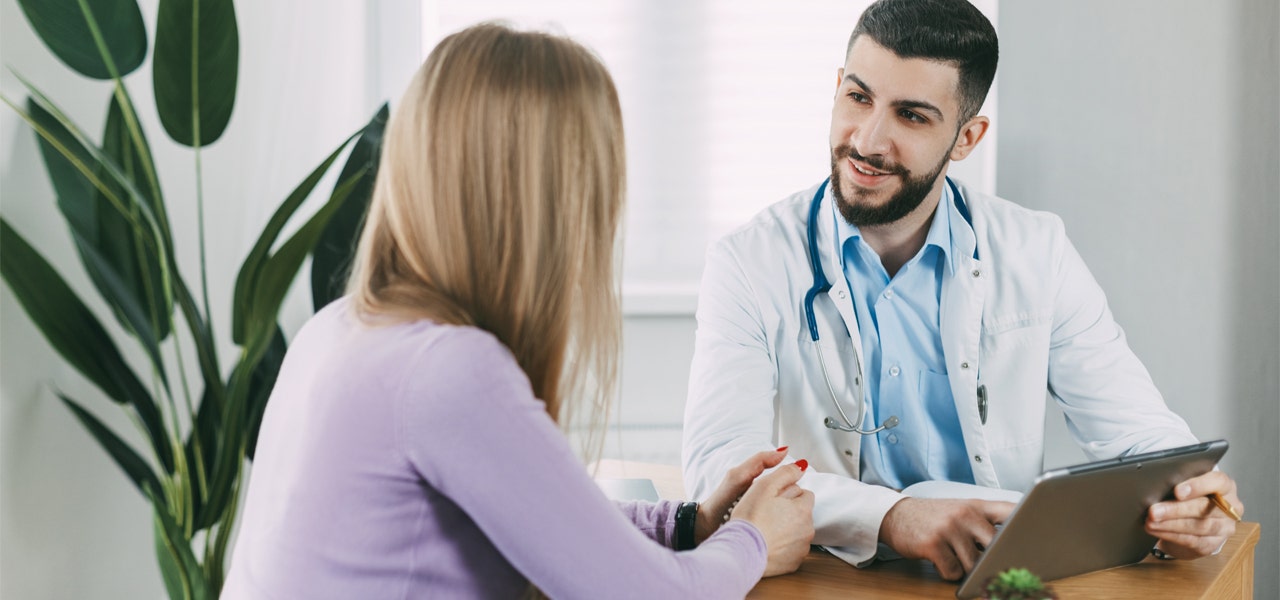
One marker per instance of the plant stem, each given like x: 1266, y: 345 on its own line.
x: 197, y: 447
x: 157, y: 205
x: 130, y: 116
x: 204, y: 277
x: 196, y: 144
x: 204, y: 271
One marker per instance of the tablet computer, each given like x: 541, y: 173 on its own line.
x: 1089, y: 517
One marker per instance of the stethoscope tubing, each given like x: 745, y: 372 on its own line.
x: 822, y: 285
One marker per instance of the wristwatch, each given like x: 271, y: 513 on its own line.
x: 686, y: 520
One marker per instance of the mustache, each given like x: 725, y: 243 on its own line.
x: 877, y: 163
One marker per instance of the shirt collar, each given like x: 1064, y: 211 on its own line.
x: 950, y: 232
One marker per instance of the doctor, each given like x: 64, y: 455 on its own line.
x: 893, y: 325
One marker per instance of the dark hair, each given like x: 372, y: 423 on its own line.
x: 952, y: 31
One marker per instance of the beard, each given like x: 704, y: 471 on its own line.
x: 861, y: 214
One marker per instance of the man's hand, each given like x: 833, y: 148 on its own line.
x: 712, y: 512
x: 948, y: 533
x: 1190, y: 526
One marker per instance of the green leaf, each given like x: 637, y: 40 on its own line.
x: 107, y: 244
x: 64, y: 320
x: 129, y: 461
x: 116, y: 292
x: 260, y: 386
x: 64, y: 27
x: 75, y: 333
x: 145, y: 225
x: 183, y: 577
x: 97, y: 227
x: 247, y: 279
x: 206, y: 350
x: 122, y: 247
x: 140, y: 269
x: 195, y: 68
x: 279, y: 271
x: 331, y: 261
x: 74, y: 191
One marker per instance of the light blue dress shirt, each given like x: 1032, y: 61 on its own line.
x: 904, y: 369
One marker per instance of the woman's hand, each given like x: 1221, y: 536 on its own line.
x: 783, y: 512
x: 712, y: 512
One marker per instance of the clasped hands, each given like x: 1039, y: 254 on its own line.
x: 773, y: 503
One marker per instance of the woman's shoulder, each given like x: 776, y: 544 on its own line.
x: 415, y: 352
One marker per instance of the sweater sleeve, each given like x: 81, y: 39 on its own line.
x: 471, y: 427
x: 654, y: 519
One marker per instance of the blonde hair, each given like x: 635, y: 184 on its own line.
x: 497, y: 205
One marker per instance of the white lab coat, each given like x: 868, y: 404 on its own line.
x: 1024, y: 319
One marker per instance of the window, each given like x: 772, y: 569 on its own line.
x: 726, y: 106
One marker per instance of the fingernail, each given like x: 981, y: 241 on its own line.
x: 1157, y: 512
x: 782, y: 449
x: 803, y: 464
x: 1184, y: 490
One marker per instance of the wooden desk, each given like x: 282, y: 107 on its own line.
x: 1227, y: 575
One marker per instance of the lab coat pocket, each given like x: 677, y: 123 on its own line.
x: 1016, y: 336
x: 1015, y: 372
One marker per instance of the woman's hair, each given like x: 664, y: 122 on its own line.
x: 497, y: 205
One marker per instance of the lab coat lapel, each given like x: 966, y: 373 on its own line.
x: 963, y: 296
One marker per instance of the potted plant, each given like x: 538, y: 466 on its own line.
x: 1017, y: 584
x: 198, y: 434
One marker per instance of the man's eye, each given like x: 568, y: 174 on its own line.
x: 859, y: 98
x: 913, y: 117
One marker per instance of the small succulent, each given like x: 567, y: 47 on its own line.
x: 1017, y: 584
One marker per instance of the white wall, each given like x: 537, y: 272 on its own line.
x: 1153, y: 128
x: 71, y: 526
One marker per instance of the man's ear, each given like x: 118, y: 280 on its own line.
x: 970, y: 134
x: 839, y: 78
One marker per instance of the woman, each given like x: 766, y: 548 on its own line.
x: 411, y: 447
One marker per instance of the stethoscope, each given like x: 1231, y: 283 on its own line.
x: 820, y: 286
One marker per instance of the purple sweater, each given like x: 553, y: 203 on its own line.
x: 413, y: 461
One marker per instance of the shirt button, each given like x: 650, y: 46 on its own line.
x: 893, y: 438
x: 840, y: 294
x: 976, y: 272
x: 888, y: 294
x: 893, y: 371
x: 964, y: 365
x: 977, y: 458
x: 848, y: 452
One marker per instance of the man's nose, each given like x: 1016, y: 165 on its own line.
x: 872, y: 136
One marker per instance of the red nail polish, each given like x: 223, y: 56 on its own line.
x: 803, y: 464
x: 782, y: 449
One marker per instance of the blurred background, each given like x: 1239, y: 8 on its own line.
x: 1151, y: 126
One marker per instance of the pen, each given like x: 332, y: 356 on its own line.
x: 1226, y: 507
